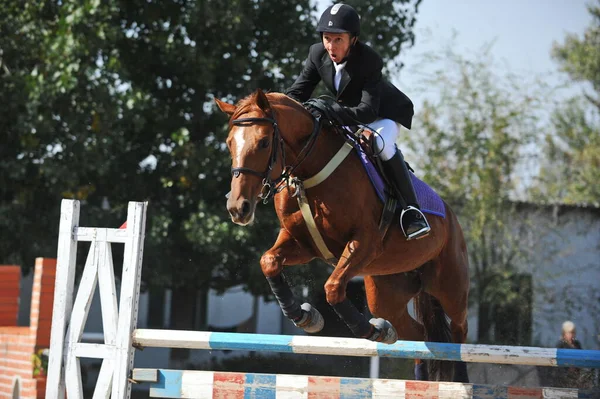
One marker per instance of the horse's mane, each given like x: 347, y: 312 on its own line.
x: 248, y: 103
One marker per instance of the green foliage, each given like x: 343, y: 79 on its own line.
x: 572, y: 148
x: 571, y: 168
x: 112, y: 101
x: 25, y: 187
x: 471, y: 140
x: 40, y: 362
x: 580, y: 57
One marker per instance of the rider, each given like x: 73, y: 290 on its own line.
x: 351, y: 70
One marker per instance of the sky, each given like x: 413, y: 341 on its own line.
x: 522, y: 31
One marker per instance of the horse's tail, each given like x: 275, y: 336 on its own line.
x: 429, y: 312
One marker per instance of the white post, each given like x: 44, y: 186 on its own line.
x: 374, y: 367
x: 63, y: 297
x: 130, y: 294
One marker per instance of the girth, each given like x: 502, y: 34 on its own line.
x: 302, y: 185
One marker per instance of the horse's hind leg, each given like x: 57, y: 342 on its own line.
x: 447, y: 279
x: 388, y: 296
x: 450, y: 287
x: 358, y: 253
x: 286, y: 251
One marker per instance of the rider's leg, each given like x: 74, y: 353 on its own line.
x: 385, y: 140
x: 413, y: 221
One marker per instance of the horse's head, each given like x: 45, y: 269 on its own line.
x: 254, y: 144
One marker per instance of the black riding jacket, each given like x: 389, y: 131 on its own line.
x: 363, y: 92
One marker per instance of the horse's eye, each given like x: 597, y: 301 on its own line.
x: 264, y: 143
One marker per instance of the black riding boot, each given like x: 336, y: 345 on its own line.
x: 413, y: 222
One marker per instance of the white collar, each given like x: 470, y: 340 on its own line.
x: 339, y: 66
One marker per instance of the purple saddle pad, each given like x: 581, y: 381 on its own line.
x: 429, y: 200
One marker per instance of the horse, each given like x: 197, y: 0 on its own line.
x: 275, y: 145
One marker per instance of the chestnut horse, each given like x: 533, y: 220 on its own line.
x: 274, y: 141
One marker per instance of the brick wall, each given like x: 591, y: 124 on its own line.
x: 18, y: 344
x: 10, y: 278
x: 42, y: 300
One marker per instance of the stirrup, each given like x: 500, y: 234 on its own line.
x: 421, y: 233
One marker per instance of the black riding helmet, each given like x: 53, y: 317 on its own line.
x: 339, y: 18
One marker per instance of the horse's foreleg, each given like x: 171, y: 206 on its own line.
x: 356, y: 256
x: 286, y: 251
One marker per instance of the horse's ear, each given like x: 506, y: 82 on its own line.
x: 262, y: 101
x: 229, y: 109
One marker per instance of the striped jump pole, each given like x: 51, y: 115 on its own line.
x: 213, y: 385
x: 498, y: 354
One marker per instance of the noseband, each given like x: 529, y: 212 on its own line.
x: 271, y: 186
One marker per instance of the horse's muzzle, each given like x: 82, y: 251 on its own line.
x: 241, y: 211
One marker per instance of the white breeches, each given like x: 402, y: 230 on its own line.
x: 385, y: 142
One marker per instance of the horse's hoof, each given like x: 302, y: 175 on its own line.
x: 388, y: 332
x: 312, y: 321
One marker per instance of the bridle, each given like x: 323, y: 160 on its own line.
x: 272, y: 186
x: 268, y: 184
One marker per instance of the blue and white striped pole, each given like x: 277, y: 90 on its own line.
x: 359, y: 347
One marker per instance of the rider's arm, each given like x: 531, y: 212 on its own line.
x: 306, y: 82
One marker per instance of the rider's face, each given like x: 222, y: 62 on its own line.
x: 337, y: 45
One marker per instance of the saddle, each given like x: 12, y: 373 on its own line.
x: 362, y: 139
x: 366, y: 141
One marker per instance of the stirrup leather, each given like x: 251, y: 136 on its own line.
x: 419, y: 233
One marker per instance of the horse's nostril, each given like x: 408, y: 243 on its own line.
x: 245, y: 208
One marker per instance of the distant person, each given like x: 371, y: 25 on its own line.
x: 567, y: 339
x: 570, y: 377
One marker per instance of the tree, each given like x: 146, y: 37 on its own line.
x: 471, y: 140
x: 580, y: 57
x: 113, y: 101
x: 572, y: 168
x: 25, y: 195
